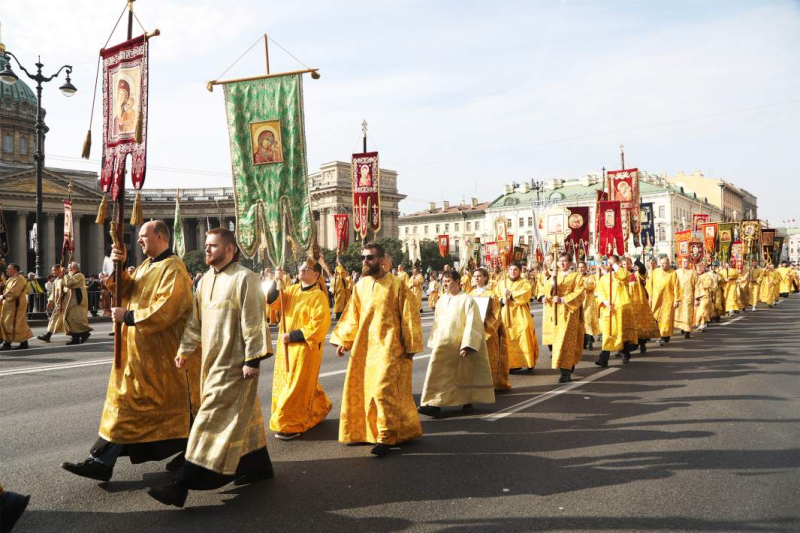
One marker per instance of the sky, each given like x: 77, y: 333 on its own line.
x: 461, y: 97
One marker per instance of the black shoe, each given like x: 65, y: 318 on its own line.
x: 75, y: 340
x: 254, y: 477
x: 601, y: 363
x: 565, y: 376
x: 642, y: 348
x: 626, y: 359
x: 90, y: 469
x: 380, y: 450
x: 591, y: 346
x: 22, y: 346
x: 430, y: 410
x: 172, y: 494
x: 176, y: 463
x: 12, y: 505
x: 5, y: 346
x: 287, y: 436
x: 686, y: 335
x: 467, y: 408
x: 618, y: 355
x: 85, y: 336
x: 45, y: 337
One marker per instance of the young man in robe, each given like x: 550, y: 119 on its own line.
x: 755, y: 280
x: 515, y: 294
x: 565, y: 294
x: 665, y: 294
x: 770, y: 283
x: 496, y: 340
x: 684, y: 313
x: 730, y: 276
x: 382, y: 327
x: 591, y: 323
x: 147, y: 411
x: 342, y: 287
x: 458, y: 373
x: 298, y: 399
x: 433, y: 291
x: 646, y: 325
x: 55, y: 303
x: 703, y: 297
x: 76, y: 304
x: 616, y: 313
x: 14, y: 310
x: 227, y: 325
x: 403, y: 275
x: 787, y: 278
x: 415, y: 282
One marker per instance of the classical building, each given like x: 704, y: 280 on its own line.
x: 735, y: 202
x: 673, y: 207
x: 452, y: 220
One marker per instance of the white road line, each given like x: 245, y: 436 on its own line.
x: 729, y: 322
x: 60, y: 366
x: 65, y: 348
x: 546, y: 396
x: 337, y: 372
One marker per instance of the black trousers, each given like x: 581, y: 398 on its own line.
x: 196, y: 477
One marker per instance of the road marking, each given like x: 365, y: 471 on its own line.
x: 64, y: 348
x: 337, y: 372
x: 729, y: 322
x: 60, y: 366
x: 508, y: 411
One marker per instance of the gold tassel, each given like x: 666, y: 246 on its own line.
x: 137, y: 215
x: 139, y: 127
x: 87, y: 145
x: 101, y: 211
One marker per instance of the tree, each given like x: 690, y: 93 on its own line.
x: 195, y: 262
x: 431, y: 258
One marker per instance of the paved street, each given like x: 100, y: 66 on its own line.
x: 703, y: 435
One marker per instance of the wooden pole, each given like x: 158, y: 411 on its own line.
x: 555, y: 270
x: 266, y: 50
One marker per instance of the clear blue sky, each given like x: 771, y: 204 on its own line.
x: 461, y: 97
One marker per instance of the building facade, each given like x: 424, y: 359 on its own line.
x: 456, y: 221
x: 734, y: 202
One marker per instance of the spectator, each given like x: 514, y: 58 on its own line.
x: 93, y: 293
x: 35, y: 291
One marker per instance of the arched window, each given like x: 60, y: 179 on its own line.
x: 556, y: 196
x: 23, y: 146
x: 8, y: 143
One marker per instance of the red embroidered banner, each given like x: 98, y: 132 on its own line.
x: 682, y: 239
x: 767, y: 244
x: 342, y: 223
x: 366, y: 175
x: 609, y: 235
x: 444, y: 245
x: 737, y: 255
x: 709, y: 232
x: 577, y: 232
x: 125, y: 88
x: 624, y: 185
x: 695, y: 251
x: 68, y: 246
x: 698, y: 221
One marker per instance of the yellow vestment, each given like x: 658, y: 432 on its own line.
x: 433, y: 293
x: 14, y: 317
x: 703, y: 297
x: 590, y: 312
x: 76, y: 303
x: 496, y: 342
x: 56, y: 299
x: 566, y: 316
x: 645, y: 321
x: 616, y: 318
x: 342, y: 287
x: 684, y: 314
x: 730, y: 276
x: 664, y: 291
x: 523, y: 347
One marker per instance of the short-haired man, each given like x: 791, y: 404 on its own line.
x: 14, y: 314
x: 515, y: 294
x: 76, y: 304
x: 228, y: 441
x: 382, y: 326
x: 616, y: 313
x: 55, y: 304
x: 665, y: 294
x: 565, y: 293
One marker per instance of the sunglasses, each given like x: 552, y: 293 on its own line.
x: 368, y: 257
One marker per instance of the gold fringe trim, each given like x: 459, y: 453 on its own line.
x: 101, y: 211
x: 137, y: 214
x: 87, y: 145
x: 139, y: 127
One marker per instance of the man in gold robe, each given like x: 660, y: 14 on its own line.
x: 703, y: 297
x: 787, y: 279
x: 616, y: 313
x: 770, y: 284
x: 754, y: 281
x: 458, y: 372
x: 665, y: 295
x: 382, y: 327
x: 55, y: 304
x: 496, y: 340
x: 342, y: 287
x: 591, y: 324
x: 565, y: 294
x: 76, y: 304
x: 515, y: 293
x: 148, y: 406
x: 684, y: 313
x: 403, y: 275
x: 719, y: 294
x: 729, y: 277
x: 433, y: 291
x: 14, y: 310
x: 415, y: 282
x: 645, y: 321
x: 227, y: 325
x: 298, y: 400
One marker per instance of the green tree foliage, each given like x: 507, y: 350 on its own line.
x: 195, y: 262
x: 431, y: 258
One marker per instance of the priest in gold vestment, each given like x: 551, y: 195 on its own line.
x: 703, y: 297
x: 14, y: 310
x: 228, y: 327
x: 646, y: 324
x: 55, y: 304
x: 342, y: 287
x: 76, y: 304
x: 665, y: 295
x: 496, y: 340
x: 770, y: 284
x: 754, y: 283
x: 515, y: 293
x: 616, y: 313
x: 298, y: 400
x: 416, y: 281
x: 433, y: 291
x: 148, y: 407
x: 730, y: 278
x: 458, y: 372
x: 591, y: 323
x: 684, y: 313
x: 565, y: 294
x: 787, y: 279
x: 382, y: 327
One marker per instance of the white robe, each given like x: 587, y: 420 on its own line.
x: 453, y: 380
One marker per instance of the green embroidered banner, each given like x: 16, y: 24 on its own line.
x: 268, y: 156
x: 725, y: 239
x: 178, y: 240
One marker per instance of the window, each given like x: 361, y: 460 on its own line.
x: 23, y: 146
x: 446, y: 228
x: 437, y: 229
x: 661, y: 211
x: 415, y: 229
x: 457, y: 227
x: 530, y: 222
x: 455, y: 244
x: 469, y: 226
x: 477, y: 226
x: 521, y: 222
x: 406, y: 231
x: 425, y: 230
x: 662, y: 234
x: 8, y: 144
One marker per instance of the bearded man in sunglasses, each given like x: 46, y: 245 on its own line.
x: 381, y: 325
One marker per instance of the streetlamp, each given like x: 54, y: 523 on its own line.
x: 536, y: 186
x: 9, y: 77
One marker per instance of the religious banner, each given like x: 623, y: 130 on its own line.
x: 342, y: 223
x: 68, y: 245
x: 648, y: 227
x: 777, y: 249
x: 519, y: 254
x: 178, y: 239
x: 411, y: 246
x: 609, y: 234
x: 466, y: 251
x: 508, y: 251
x: 125, y: 100
x: 4, y: 245
x: 444, y: 245
x: 767, y: 244
x: 577, y: 230
x: 268, y: 157
x: 695, y: 251
x: 737, y: 255
x: 366, y: 176
x: 698, y: 220
x: 750, y: 232
x: 624, y: 187
x: 709, y: 232
x: 492, y: 254
x: 502, y: 240
x: 682, y: 239
x: 725, y: 240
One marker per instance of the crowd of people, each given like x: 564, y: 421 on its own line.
x: 184, y: 385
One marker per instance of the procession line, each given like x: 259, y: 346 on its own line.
x: 729, y: 322
x: 546, y: 396
x: 47, y: 368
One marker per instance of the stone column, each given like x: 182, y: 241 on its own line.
x: 200, y: 234
x: 50, y: 242
x: 322, y: 228
x: 76, y: 236
x: 94, y: 261
x: 20, y: 244
x: 138, y: 256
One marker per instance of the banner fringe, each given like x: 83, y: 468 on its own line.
x: 101, y: 211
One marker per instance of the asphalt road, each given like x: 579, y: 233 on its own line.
x: 702, y: 435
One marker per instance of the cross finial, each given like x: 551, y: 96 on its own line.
x: 364, y: 127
